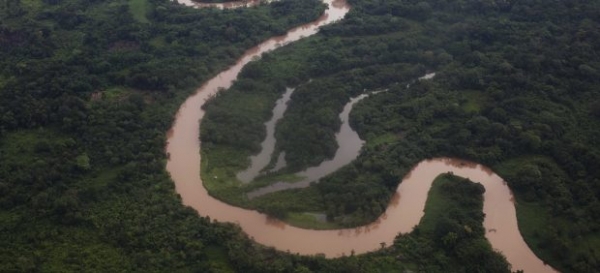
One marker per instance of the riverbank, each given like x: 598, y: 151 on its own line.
x: 473, y: 109
x: 88, y: 90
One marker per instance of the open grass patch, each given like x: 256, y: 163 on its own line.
x: 472, y: 101
x: 28, y: 146
x: 292, y: 203
x: 116, y: 93
x: 542, y: 233
x: 218, y: 169
x: 269, y: 179
x: 532, y: 218
x: 383, y: 139
x: 556, y: 239
x: 309, y: 220
x: 32, y: 5
x: 221, y: 163
x: 158, y: 42
x: 139, y: 9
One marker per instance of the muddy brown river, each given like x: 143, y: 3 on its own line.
x: 401, y: 215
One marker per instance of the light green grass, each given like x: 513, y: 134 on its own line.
x: 19, y: 146
x: 139, y: 9
x: 473, y: 102
x: 308, y: 221
x: 266, y: 180
x: 534, y: 219
x: 158, y: 42
x: 383, y: 139
x: 531, y: 218
x: 218, y: 169
x: 298, y: 204
x: 115, y: 93
x: 32, y: 5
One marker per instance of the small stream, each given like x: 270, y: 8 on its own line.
x: 349, y: 146
x: 401, y: 215
x: 261, y: 160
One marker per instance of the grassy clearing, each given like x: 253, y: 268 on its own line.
x: 386, y: 138
x: 218, y: 259
x: 115, y: 93
x: 218, y: 170
x: 158, y: 42
x: 296, y: 200
x: 220, y: 165
x: 473, y: 101
x: 139, y: 9
x: 20, y: 146
x: 32, y: 5
x: 308, y: 221
x: 534, y: 220
x: 292, y: 204
x: 531, y: 217
x: 269, y: 179
x: 542, y: 231
x: 256, y: 105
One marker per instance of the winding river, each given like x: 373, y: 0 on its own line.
x: 401, y: 215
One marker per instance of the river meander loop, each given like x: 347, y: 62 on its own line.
x: 401, y: 215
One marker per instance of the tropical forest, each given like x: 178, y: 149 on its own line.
x: 130, y: 132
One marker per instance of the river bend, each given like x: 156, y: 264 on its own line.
x: 401, y: 215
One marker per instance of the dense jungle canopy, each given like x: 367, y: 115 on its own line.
x: 89, y: 89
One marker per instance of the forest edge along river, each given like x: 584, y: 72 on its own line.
x: 348, y: 140
x: 401, y: 215
x: 349, y: 146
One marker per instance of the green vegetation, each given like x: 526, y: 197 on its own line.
x: 139, y: 9
x: 453, y: 223
x: 309, y: 221
x: 422, y: 250
x: 82, y: 179
x: 516, y: 89
x: 86, y: 96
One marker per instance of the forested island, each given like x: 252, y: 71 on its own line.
x: 89, y: 89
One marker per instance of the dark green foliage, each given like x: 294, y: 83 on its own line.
x: 86, y: 96
x: 453, y: 204
x: 451, y: 232
x: 516, y: 89
x: 87, y: 93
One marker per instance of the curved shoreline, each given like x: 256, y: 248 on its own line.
x: 401, y: 215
